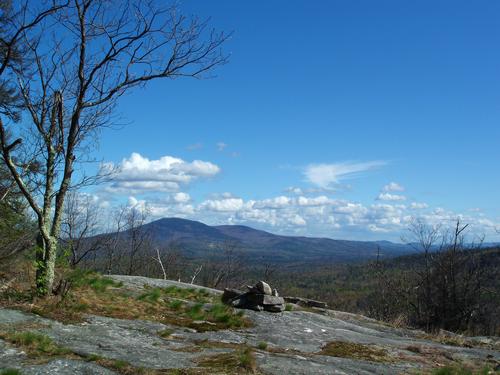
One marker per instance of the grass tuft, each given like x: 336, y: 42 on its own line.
x: 35, y: 344
x: 240, y: 361
x: 262, y: 345
x: 151, y: 296
x: 10, y: 371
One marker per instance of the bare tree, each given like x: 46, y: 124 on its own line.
x: 224, y: 265
x: 84, y: 58
x: 448, y: 286
x: 137, y: 239
x: 112, y: 236
x: 424, y: 237
x: 81, y: 226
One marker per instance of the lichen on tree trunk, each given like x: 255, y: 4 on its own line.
x: 45, y: 261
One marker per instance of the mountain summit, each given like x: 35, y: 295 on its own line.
x: 193, y: 238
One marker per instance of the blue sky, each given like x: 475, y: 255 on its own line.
x: 342, y: 119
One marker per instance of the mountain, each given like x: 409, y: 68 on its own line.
x: 194, y: 238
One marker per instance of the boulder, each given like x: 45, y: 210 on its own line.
x: 230, y: 294
x: 264, y: 288
x: 263, y: 299
x: 274, y: 308
x: 259, y: 297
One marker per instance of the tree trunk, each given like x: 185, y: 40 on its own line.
x: 45, y: 265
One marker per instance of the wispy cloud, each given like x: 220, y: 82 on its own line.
x: 221, y: 146
x: 324, y: 175
x: 195, y: 146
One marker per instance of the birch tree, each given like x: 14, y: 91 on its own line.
x: 83, y: 56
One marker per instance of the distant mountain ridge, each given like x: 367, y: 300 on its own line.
x: 194, y: 238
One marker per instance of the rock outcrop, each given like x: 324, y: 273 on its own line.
x: 260, y: 297
x: 297, y: 342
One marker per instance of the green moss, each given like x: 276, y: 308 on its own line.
x: 355, y: 351
x: 288, y: 307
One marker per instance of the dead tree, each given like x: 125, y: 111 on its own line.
x: 169, y: 258
x: 81, y: 61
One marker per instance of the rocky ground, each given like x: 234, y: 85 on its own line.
x: 317, y: 341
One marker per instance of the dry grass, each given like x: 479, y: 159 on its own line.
x: 94, y: 294
x: 36, y: 345
x: 241, y: 361
x: 355, y: 351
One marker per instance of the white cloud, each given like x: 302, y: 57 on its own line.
x: 393, y: 186
x: 418, y: 206
x: 390, y: 197
x: 318, y: 215
x: 294, y: 190
x: 137, y: 174
x: 313, y: 212
x: 181, y: 197
x: 221, y: 146
x: 277, y: 202
x: 314, y: 201
x: 223, y: 205
x: 324, y: 175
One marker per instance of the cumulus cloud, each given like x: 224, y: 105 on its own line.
x: 181, y: 197
x: 324, y: 175
x: 319, y: 215
x: 390, y: 197
x: 418, y: 205
x: 393, y: 186
x: 223, y: 205
x: 138, y: 174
